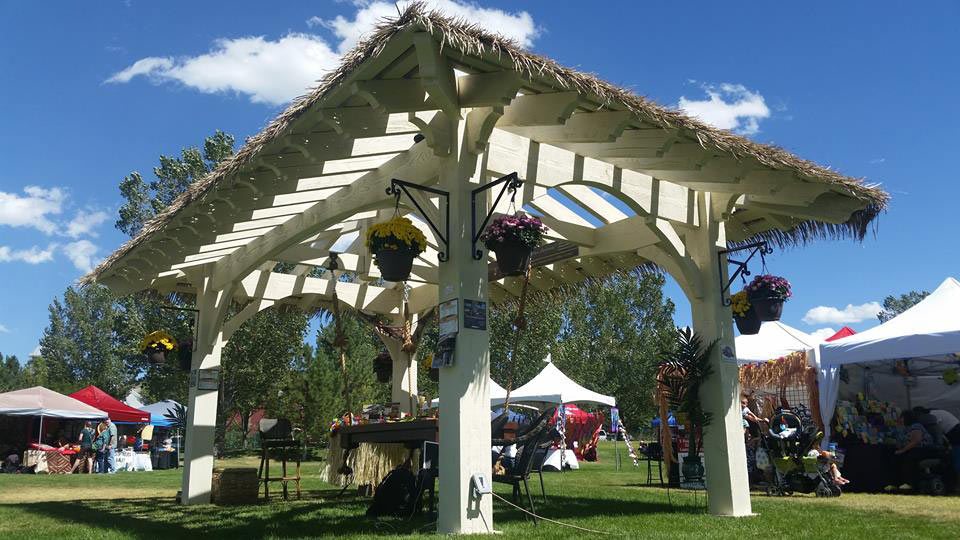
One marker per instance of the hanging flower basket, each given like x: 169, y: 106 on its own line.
x: 748, y: 323
x: 156, y: 345
x: 513, y: 239
x: 394, y: 244
x: 383, y: 367
x: 767, y: 293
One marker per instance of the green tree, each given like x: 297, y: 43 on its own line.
x: 615, y: 332
x: 257, y: 362
x: 80, y: 345
x: 11, y: 374
x: 895, y: 305
x: 173, y: 176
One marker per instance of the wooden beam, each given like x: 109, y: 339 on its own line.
x: 494, y: 89
x: 417, y: 165
x: 540, y: 110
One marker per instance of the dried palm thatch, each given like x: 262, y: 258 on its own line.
x: 458, y: 36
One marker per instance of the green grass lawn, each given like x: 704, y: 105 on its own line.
x: 140, y: 505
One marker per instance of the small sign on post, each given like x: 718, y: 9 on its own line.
x: 208, y: 379
x: 474, y: 314
x: 449, y: 318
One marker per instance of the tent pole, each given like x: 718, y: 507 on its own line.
x: 40, y: 434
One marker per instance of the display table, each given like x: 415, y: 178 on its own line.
x: 869, y: 467
x: 412, y: 433
x: 373, y: 450
x: 551, y: 461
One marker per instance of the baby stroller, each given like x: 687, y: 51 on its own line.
x: 794, y: 460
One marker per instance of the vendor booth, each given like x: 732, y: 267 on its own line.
x: 868, y: 379
x: 29, y: 415
x: 118, y: 411
x: 553, y: 386
x: 779, y: 369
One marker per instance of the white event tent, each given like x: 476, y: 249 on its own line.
x: 927, y: 334
x: 40, y: 401
x: 497, y: 392
x: 552, y: 386
x: 775, y: 340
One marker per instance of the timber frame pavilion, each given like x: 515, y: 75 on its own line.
x: 620, y: 181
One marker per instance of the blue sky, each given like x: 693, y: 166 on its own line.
x: 92, y: 92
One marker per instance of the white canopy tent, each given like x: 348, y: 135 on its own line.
x: 40, y: 401
x: 552, y: 386
x: 927, y: 334
x: 43, y: 402
x: 775, y: 340
x: 496, y: 392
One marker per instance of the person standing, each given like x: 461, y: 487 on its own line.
x: 87, y: 435
x: 112, y: 446
x: 100, y: 446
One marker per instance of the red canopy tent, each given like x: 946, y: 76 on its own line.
x: 846, y: 331
x: 115, y: 409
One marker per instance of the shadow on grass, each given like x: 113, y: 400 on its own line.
x: 319, y: 513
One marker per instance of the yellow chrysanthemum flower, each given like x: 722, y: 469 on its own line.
x: 399, y: 228
x: 740, y: 304
x: 157, y: 339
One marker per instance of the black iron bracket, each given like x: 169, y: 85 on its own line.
x: 398, y: 187
x: 511, y: 183
x: 742, y: 270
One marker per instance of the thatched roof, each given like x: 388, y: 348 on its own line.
x: 471, y: 39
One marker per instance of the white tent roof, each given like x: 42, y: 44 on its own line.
x: 775, y: 340
x: 930, y: 329
x: 497, y: 392
x: 40, y: 401
x: 552, y: 386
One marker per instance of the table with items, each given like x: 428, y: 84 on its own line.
x: 867, y: 433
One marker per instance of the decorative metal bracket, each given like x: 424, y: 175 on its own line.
x: 511, y: 183
x: 398, y: 187
x: 742, y: 270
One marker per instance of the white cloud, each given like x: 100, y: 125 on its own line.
x: 517, y: 26
x: 84, y: 223
x: 729, y: 106
x: 144, y: 66
x: 849, y: 314
x: 274, y: 72
x: 4, y: 329
x: 34, y: 255
x: 81, y: 254
x: 822, y: 334
x: 32, y: 210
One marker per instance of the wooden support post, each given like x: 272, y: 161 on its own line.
x: 464, y: 391
x: 403, y: 388
x: 725, y: 456
x: 202, y: 404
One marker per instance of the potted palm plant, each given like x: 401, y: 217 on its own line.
x: 748, y: 322
x: 767, y: 293
x: 513, y: 239
x: 679, y: 379
x: 394, y: 244
x: 156, y: 345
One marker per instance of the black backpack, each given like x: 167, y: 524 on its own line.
x: 396, y: 494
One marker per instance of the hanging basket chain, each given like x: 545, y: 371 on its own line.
x: 519, y: 325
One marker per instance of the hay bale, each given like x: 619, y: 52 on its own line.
x: 235, y: 486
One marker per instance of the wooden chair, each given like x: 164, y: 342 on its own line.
x: 538, y: 435
x: 278, y: 439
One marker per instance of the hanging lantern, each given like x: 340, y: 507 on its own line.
x: 383, y: 366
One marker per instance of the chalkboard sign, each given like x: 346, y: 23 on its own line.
x: 474, y: 314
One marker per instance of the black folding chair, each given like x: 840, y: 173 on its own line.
x: 653, y: 452
x: 537, y: 436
